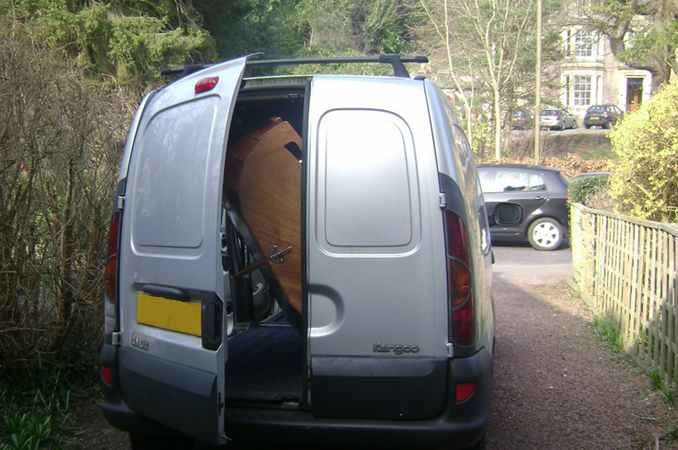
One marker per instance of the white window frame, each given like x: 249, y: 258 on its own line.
x: 583, y: 44
x: 582, y: 90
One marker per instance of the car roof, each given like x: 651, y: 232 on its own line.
x: 520, y: 166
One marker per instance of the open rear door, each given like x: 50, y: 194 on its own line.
x: 173, y: 290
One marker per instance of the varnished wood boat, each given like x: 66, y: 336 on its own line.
x: 264, y: 183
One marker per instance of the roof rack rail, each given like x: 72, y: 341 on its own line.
x: 393, y: 59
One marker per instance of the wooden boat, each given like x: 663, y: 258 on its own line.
x: 264, y: 180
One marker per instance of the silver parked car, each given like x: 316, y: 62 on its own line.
x: 387, y: 334
x: 557, y: 119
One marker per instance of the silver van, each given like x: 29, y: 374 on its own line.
x: 392, y: 341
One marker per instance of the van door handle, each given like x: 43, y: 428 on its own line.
x: 541, y: 197
x: 165, y: 291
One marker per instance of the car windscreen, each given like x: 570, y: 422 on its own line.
x: 596, y: 108
x: 507, y: 179
x: 550, y: 112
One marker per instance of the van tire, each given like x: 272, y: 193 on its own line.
x: 140, y: 441
x: 545, y: 234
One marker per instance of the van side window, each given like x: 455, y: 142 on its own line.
x: 368, y: 162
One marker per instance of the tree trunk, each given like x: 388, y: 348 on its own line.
x: 469, y: 126
x: 497, y: 122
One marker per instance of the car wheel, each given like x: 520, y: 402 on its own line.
x: 140, y: 441
x: 545, y: 234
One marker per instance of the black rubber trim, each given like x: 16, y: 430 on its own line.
x: 454, y: 198
x: 166, y: 292
x: 211, y: 317
x: 402, y: 388
x: 180, y: 397
x: 305, y: 307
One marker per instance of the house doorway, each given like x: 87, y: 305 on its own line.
x: 634, y: 94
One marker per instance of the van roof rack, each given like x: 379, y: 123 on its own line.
x: 393, y: 59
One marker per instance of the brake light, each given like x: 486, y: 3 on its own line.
x: 464, y: 391
x: 462, y: 321
x: 206, y: 84
x: 111, y: 269
x: 107, y: 376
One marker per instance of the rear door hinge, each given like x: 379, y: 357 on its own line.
x: 115, y: 338
x: 450, y: 350
x: 442, y: 200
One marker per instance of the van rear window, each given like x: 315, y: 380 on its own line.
x: 171, y: 174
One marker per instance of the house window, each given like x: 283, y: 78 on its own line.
x: 583, y: 43
x: 582, y: 90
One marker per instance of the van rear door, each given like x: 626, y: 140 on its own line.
x: 173, y: 290
x: 376, y: 252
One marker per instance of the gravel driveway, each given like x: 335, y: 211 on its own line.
x: 556, y: 385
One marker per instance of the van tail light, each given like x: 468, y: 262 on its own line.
x: 464, y: 391
x: 107, y: 375
x: 111, y: 268
x: 461, y: 329
x: 205, y: 84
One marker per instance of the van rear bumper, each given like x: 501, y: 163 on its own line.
x: 459, y: 426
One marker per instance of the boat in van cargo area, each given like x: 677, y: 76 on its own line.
x: 298, y: 260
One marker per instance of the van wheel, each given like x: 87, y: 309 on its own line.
x: 545, y: 234
x: 140, y: 441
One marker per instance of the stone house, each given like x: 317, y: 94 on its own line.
x: 590, y: 74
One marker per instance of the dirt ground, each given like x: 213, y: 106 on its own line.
x: 557, y: 386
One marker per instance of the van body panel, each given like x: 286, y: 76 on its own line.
x: 382, y: 159
x: 131, y: 135
x: 375, y: 247
x: 459, y: 181
x: 171, y: 249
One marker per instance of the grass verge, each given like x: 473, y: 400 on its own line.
x: 606, y: 329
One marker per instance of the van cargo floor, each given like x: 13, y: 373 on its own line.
x: 265, y: 364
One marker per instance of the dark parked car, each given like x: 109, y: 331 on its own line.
x: 521, y: 120
x: 525, y: 203
x: 602, y: 116
x: 557, y: 119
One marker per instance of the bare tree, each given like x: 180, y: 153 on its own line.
x: 493, y: 34
x: 442, y: 30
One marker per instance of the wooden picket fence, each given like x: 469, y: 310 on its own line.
x: 626, y: 270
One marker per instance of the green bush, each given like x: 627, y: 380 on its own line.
x: 583, y: 189
x: 645, y: 180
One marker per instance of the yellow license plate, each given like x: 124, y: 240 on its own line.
x: 168, y: 314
